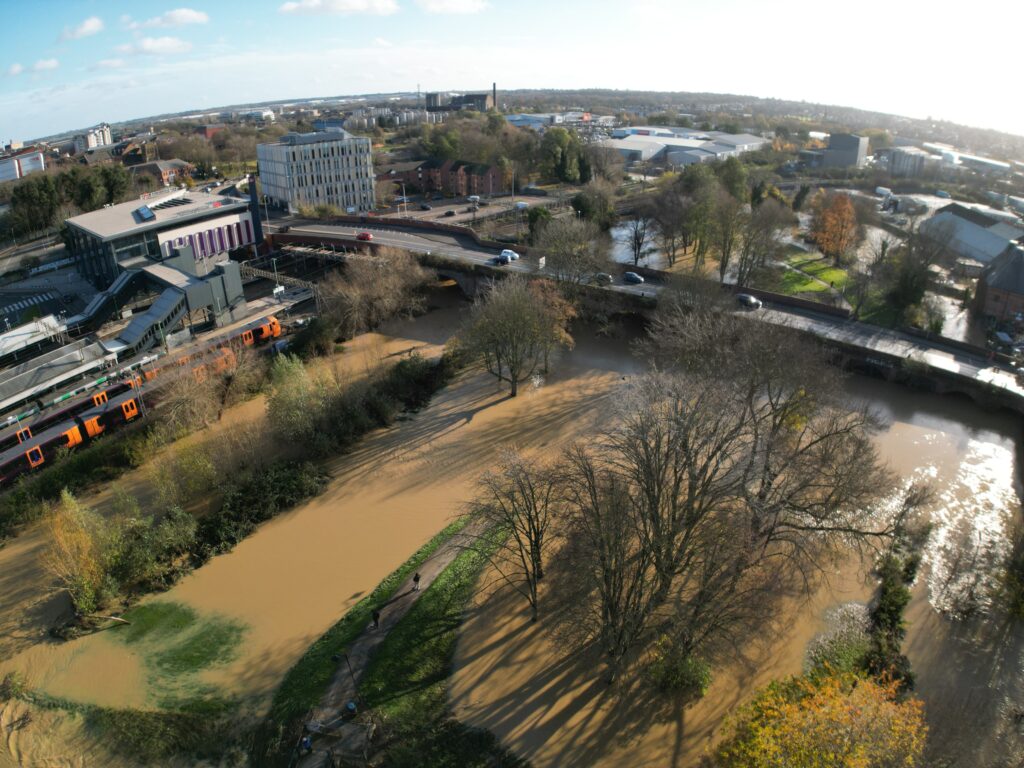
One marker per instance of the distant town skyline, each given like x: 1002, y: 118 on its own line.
x: 67, y: 65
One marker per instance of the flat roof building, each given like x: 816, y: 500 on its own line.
x: 21, y: 164
x: 325, y: 168
x: 154, y: 228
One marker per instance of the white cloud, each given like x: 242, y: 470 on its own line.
x: 156, y: 46
x: 90, y: 26
x: 378, y: 7
x: 109, y: 64
x: 15, y: 69
x: 380, y: 42
x: 176, y: 18
x: 45, y: 65
x: 452, y: 6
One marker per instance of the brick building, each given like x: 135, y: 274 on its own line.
x: 165, y: 172
x: 1000, y: 292
x: 450, y: 177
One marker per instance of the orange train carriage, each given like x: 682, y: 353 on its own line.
x: 32, y: 447
x: 44, y: 447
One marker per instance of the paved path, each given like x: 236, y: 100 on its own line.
x: 334, y: 735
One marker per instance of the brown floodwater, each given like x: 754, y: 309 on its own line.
x: 294, y: 577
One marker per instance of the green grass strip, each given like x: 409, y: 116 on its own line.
x: 407, y: 680
x: 305, y: 683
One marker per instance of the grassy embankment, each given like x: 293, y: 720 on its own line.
x: 406, y: 684
x: 175, y: 646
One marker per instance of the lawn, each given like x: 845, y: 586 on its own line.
x: 820, y: 268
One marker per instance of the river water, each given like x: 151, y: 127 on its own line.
x: 290, y: 581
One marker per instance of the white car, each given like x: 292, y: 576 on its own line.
x: 509, y: 254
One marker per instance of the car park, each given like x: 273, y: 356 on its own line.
x: 510, y: 254
x: 748, y: 301
x: 632, y: 277
x: 364, y: 236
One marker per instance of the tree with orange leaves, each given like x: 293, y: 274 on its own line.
x: 831, y: 721
x: 834, y: 226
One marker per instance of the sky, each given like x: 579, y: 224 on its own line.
x: 69, y: 65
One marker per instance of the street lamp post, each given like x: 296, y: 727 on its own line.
x: 273, y: 261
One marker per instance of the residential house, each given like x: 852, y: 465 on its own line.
x: 1000, y: 292
x: 165, y: 172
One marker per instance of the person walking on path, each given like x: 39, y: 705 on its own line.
x: 416, y: 582
x: 376, y: 619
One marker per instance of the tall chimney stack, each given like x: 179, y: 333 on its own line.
x: 494, y: 95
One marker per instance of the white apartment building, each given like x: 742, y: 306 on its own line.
x: 96, y: 137
x: 327, y: 168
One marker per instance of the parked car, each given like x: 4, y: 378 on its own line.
x: 510, y: 254
x: 449, y: 212
x: 426, y: 207
x: 364, y: 236
x: 748, y: 301
x: 603, y: 278
x: 501, y: 259
x: 632, y: 277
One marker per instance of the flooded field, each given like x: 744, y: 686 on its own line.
x: 555, y: 709
x: 256, y: 609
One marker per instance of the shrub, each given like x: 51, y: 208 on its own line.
x: 674, y: 670
x: 844, y: 646
x: 253, y: 499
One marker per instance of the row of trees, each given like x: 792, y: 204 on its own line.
x: 709, y: 212
x: 41, y: 201
x: 734, y: 468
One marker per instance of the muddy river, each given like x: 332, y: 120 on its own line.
x: 280, y: 589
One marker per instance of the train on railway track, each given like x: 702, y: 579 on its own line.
x: 29, y: 445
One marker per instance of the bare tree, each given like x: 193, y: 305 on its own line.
x: 638, y: 234
x: 727, y: 218
x: 760, y: 238
x: 612, y: 564
x: 521, y: 499
x: 670, y: 213
x: 569, y: 245
x: 513, y: 329
x: 374, y: 289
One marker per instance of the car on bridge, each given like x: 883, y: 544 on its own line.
x: 364, y: 236
x: 748, y: 301
x: 632, y: 277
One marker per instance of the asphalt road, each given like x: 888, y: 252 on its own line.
x: 868, y: 337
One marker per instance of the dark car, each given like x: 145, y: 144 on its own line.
x: 364, y: 236
x: 748, y: 301
x: 449, y: 212
x: 603, y: 278
x: 502, y: 259
x: 426, y: 207
x: 632, y: 277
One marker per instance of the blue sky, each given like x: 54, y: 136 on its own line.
x: 67, y: 65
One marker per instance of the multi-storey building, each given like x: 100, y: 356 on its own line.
x: 326, y: 168
x: 96, y: 137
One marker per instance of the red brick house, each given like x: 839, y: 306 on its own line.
x: 451, y: 177
x: 1000, y: 292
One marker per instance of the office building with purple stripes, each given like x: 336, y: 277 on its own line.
x: 159, y: 227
